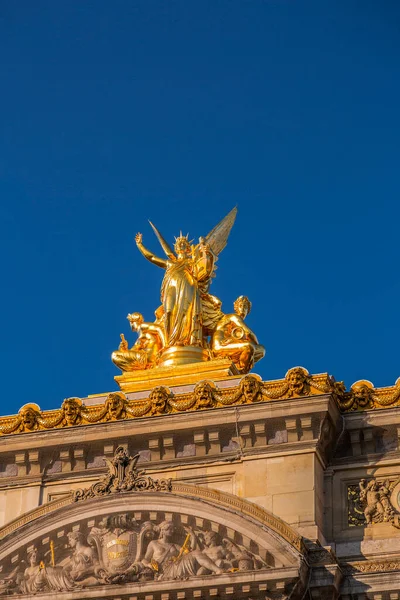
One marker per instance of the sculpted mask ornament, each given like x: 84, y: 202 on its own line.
x: 29, y: 415
x: 203, y: 393
x: 363, y: 396
x: 115, y: 406
x: 72, y: 408
x: 362, y: 393
x: 297, y: 380
x: 159, y: 398
x: 250, y: 388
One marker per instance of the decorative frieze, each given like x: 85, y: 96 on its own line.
x: 364, y: 396
x: 206, y: 395
x: 183, y: 533
x: 118, y: 549
x: 161, y: 401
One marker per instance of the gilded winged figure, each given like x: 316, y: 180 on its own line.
x: 190, y: 325
x: 189, y: 310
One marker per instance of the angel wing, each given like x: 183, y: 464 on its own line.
x: 218, y: 237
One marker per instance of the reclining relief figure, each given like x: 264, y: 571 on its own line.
x: 170, y: 561
x: 39, y: 577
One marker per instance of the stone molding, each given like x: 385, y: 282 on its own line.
x: 277, y: 584
x: 298, y: 383
x: 258, y: 530
x: 300, y: 424
x: 213, y: 497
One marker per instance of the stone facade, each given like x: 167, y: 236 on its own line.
x: 234, y: 488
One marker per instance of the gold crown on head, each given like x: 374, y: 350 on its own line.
x: 182, y: 238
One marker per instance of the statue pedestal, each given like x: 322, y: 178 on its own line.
x: 173, y: 375
x: 183, y: 355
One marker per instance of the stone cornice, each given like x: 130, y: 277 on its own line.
x: 162, y: 401
x: 232, y: 585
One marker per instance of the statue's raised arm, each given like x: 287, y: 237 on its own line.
x: 160, y: 262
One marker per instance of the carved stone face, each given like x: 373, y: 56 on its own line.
x: 250, y: 387
x: 74, y: 537
x: 296, y: 379
x: 362, y: 394
x: 167, y: 530
x: 158, y: 398
x: 120, y: 455
x: 211, y: 538
x: 33, y: 557
x: 29, y: 419
x: 115, y: 406
x: 72, y: 411
x: 203, y: 394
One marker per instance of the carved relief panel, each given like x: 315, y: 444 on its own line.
x: 129, y: 547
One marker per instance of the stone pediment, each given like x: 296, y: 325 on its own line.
x: 137, y: 541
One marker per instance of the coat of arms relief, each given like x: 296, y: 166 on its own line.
x: 119, y: 549
x: 125, y: 547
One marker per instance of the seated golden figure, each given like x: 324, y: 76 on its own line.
x: 233, y: 339
x: 144, y: 353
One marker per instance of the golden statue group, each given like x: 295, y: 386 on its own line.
x: 190, y: 326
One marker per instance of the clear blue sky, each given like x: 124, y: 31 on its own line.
x: 116, y: 112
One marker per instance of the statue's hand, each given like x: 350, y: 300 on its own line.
x: 138, y: 238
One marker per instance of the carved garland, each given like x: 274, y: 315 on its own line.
x: 363, y: 396
x: 297, y: 383
x: 73, y: 412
